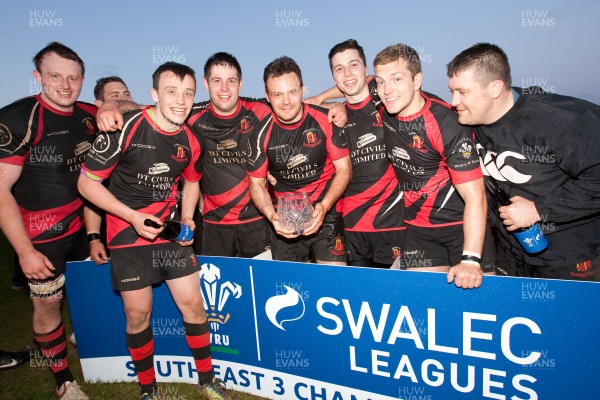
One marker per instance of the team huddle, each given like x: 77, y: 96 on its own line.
x: 397, y: 178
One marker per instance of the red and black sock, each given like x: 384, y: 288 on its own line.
x: 141, y: 349
x: 53, y: 346
x: 198, y: 339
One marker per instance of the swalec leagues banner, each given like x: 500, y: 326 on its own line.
x: 305, y: 331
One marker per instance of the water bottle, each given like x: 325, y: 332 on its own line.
x: 532, y: 239
x: 174, y: 231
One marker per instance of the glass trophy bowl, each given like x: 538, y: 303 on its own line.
x: 295, y: 212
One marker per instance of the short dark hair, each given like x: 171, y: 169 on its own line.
x: 399, y: 51
x: 102, y: 82
x: 170, y: 66
x: 281, y: 66
x: 488, y: 61
x: 349, y: 44
x: 222, y: 59
x: 60, y: 50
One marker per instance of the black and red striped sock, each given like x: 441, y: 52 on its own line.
x: 141, y: 349
x: 53, y: 346
x: 198, y: 339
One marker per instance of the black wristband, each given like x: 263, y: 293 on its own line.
x: 93, y: 236
x: 467, y: 257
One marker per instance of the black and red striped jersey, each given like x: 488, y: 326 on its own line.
x: 224, y: 144
x: 300, y: 155
x: 145, y: 165
x: 50, y: 145
x: 431, y: 152
x: 373, y: 200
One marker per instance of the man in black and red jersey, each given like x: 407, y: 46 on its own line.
x: 373, y: 207
x: 43, y: 142
x: 299, y: 148
x: 435, y: 158
x: 232, y: 226
x: 145, y: 162
x: 543, y: 150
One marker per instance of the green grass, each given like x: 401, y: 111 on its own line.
x: 32, y: 382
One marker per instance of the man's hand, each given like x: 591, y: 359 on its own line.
x: 109, y: 117
x: 98, y: 252
x: 466, y: 276
x: 137, y: 221
x: 521, y: 213
x: 318, y: 218
x: 338, y: 115
x: 35, y: 265
x: 189, y: 222
x: 287, y: 233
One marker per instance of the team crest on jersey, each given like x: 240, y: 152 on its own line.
x: 245, y: 125
x: 311, y: 139
x: 180, y: 154
x: 90, y: 125
x: 466, y: 150
x: 5, y: 135
x: 396, y: 252
x: 378, y: 120
x: 339, y: 247
x: 417, y: 141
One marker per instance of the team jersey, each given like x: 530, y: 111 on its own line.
x: 224, y: 144
x: 50, y: 145
x: 431, y: 152
x: 546, y: 149
x: 300, y: 155
x: 373, y: 200
x: 144, y: 164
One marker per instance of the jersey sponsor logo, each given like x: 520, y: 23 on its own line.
x: 494, y: 165
x: 400, y: 153
x: 90, y: 125
x: 296, y: 160
x: 5, y: 135
x: 365, y: 140
x: 143, y: 146
x: 311, y: 138
x: 158, y: 168
x: 226, y: 144
x: 102, y: 143
x: 82, y: 148
x: 58, y: 133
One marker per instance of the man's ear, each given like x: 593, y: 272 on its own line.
x: 154, y: 94
x: 496, y: 88
x: 417, y: 81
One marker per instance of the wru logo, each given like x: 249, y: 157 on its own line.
x: 215, y: 294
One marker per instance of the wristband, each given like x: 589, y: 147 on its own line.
x: 471, y: 253
x: 93, y: 236
x: 469, y: 259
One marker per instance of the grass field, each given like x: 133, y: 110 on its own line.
x: 34, y: 382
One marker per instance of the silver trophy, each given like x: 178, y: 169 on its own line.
x: 295, y: 212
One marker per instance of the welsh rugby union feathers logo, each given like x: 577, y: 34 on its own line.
x: 285, y: 307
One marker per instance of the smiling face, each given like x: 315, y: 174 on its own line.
x: 474, y: 103
x: 174, y: 100
x: 61, y: 81
x: 285, y: 95
x: 398, y: 89
x: 350, y: 75
x: 223, y: 88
